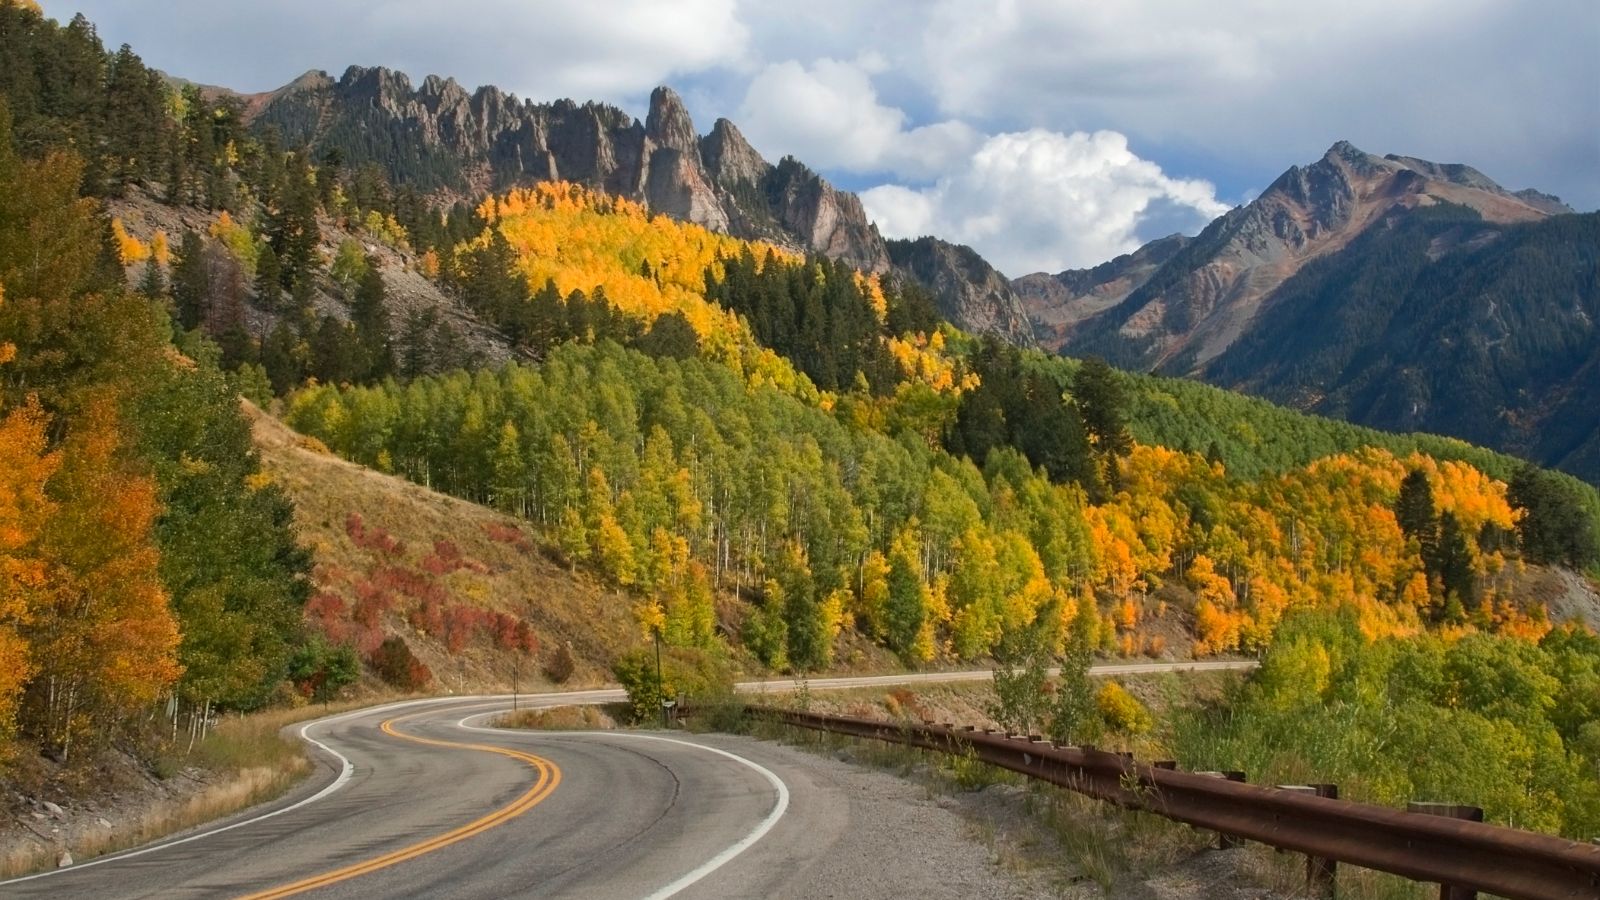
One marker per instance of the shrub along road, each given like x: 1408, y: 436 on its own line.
x: 418, y: 799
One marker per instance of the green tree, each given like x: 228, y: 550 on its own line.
x: 1072, y: 714
x: 1103, y: 403
x: 1555, y: 526
x: 191, y: 282
x: 1415, y: 510
x: 269, y: 278
x: 370, y: 314
x: 906, y: 608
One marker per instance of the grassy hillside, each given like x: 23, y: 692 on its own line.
x: 387, y: 551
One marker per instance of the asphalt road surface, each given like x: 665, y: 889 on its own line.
x: 420, y: 800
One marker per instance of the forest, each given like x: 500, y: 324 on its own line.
x: 143, y: 556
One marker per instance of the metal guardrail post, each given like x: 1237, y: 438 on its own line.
x: 1321, y: 873
x: 1321, y: 870
x: 1226, y: 841
x: 1453, y: 811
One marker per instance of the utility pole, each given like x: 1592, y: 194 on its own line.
x: 661, y: 696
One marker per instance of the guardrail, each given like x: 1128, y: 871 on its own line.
x: 1432, y: 843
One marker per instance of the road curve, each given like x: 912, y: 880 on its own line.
x: 417, y: 799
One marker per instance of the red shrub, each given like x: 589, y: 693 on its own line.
x: 365, y: 639
x: 394, y: 662
x: 415, y: 585
x: 508, y: 534
x: 373, y: 538
x: 325, y: 608
x: 427, y: 617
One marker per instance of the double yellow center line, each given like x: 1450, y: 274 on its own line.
x: 543, y: 786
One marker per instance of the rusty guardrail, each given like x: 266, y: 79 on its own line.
x: 1459, y: 854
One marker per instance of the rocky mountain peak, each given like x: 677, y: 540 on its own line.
x: 1189, y: 309
x: 965, y: 287
x: 376, y: 80
x: 729, y: 158
x: 465, y: 146
x: 310, y: 80
x: 668, y: 124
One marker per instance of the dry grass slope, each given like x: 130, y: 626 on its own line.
x: 393, y: 558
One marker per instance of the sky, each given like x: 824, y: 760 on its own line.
x: 1047, y: 135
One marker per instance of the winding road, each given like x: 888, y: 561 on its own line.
x: 421, y: 800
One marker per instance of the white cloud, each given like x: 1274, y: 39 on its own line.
x: 828, y: 115
x: 1238, y: 90
x: 598, y: 50
x: 1043, y: 201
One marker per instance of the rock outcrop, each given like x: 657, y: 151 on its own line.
x: 967, y: 289
x: 441, y: 138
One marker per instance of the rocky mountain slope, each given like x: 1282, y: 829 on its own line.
x: 1443, y: 322
x: 1391, y: 291
x: 440, y: 137
x: 968, y: 290
x: 1175, y: 306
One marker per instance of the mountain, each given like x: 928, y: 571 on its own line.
x: 438, y: 137
x: 1443, y: 321
x: 1056, y: 303
x: 1177, y: 314
x: 1391, y: 291
x: 967, y: 290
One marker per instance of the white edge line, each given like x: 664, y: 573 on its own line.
x: 715, y: 862
x: 346, y: 772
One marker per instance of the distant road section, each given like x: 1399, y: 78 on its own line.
x: 419, y: 800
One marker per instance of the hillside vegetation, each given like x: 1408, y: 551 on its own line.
x: 676, y: 475
x: 471, y: 591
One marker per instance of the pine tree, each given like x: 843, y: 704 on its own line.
x: 905, y: 609
x: 191, y: 282
x: 269, y: 278
x: 1414, y: 510
x: 293, y: 229
x: 1452, y: 564
x: 370, y: 314
x: 1102, y: 402
x: 153, y: 282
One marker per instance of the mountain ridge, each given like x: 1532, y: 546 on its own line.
x: 1189, y: 309
x: 438, y: 136
x: 1330, y: 293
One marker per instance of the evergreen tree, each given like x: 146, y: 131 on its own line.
x: 191, y: 282
x: 335, y: 353
x: 280, y: 356
x: 905, y: 609
x: 1452, y: 563
x: 416, y: 343
x: 1103, y: 403
x: 152, y: 281
x: 370, y: 314
x: 1555, y: 527
x: 1414, y: 510
x: 292, y: 227
x: 269, y: 278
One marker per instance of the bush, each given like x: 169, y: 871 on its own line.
x: 560, y: 666
x: 320, y: 669
x: 1121, y: 711
x: 394, y: 662
x: 688, y: 675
